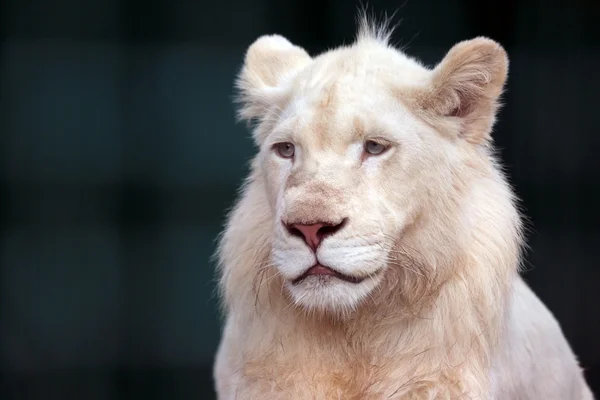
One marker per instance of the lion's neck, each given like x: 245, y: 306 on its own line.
x: 380, y: 342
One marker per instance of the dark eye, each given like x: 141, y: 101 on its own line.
x: 285, y: 149
x: 374, y: 148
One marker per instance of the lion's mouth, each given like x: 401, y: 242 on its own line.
x: 321, y: 270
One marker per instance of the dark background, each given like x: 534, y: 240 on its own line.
x: 119, y: 155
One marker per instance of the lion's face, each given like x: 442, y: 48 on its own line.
x: 344, y: 171
x: 351, y: 144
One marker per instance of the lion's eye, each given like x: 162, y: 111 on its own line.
x: 374, y: 148
x: 285, y: 149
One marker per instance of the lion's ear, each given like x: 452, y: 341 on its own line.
x: 269, y: 60
x: 466, y: 85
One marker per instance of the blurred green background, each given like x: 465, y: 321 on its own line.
x: 119, y: 155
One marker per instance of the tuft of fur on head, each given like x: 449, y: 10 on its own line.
x: 432, y: 228
x: 372, y: 30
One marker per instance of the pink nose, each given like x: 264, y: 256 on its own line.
x: 313, y: 234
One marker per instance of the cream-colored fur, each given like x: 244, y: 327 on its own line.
x: 431, y: 226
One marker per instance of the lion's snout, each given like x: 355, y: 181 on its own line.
x: 314, y: 233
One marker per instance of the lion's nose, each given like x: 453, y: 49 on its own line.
x: 313, y: 234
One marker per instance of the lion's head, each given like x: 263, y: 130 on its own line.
x: 372, y: 169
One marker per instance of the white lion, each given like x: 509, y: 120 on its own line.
x: 374, y: 252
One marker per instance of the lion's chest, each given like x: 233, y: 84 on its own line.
x: 318, y: 378
x: 303, y: 380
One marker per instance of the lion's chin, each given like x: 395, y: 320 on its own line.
x: 328, y: 292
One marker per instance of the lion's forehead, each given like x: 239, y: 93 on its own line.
x: 333, y: 109
x: 329, y: 118
x: 338, y: 124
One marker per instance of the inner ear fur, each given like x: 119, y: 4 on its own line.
x: 267, y: 63
x: 466, y: 85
